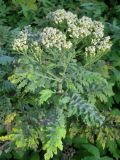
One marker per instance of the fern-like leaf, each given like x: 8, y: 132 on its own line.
x: 87, y: 111
x: 4, y: 60
x: 55, y: 131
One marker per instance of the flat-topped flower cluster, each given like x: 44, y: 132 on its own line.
x: 52, y: 37
x: 99, y: 46
x: 81, y: 28
x: 77, y: 28
x: 61, y: 15
x: 20, y: 41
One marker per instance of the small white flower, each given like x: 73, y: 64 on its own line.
x: 90, y: 49
x: 98, y: 46
x: 52, y: 37
x: 20, y: 42
x: 104, y: 44
x: 60, y: 15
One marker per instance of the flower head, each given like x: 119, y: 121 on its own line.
x: 52, y: 37
x: 98, y: 46
x: 20, y: 40
x: 61, y: 15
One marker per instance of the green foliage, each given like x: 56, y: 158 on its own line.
x: 112, y: 146
x: 4, y: 60
x: 54, y: 134
x: 35, y: 156
x: 4, y: 10
x: 92, y: 149
x: 45, y: 95
x: 88, y: 112
x: 94, y: 9
x: 26, y: 6
x: 6, y: 87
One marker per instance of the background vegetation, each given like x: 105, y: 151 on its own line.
x: 81, y: 143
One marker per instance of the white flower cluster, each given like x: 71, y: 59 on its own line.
x: 77, y: 32
x: 104, y: 45
x: 85, y: 22
x: 77, y: 27
x: 60, y: 15
x: 49, y: 37
x: 20, y: 41
x: 52, y: 37
x: 90, y: 49
x: 101, y: 46
x: 84, y: 27
x: 98, y: 30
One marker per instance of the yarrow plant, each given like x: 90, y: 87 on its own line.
x: 53, y: 85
